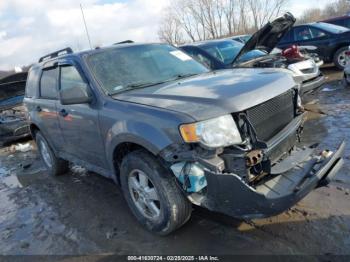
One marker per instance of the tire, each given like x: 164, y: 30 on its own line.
x: 337, y: 57
x: 162, y: 216
x: 56, y: 166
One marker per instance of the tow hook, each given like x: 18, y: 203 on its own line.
x: 326, y: 153
x: 254, y: 157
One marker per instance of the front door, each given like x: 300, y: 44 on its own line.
x: 311, y: 36
x: 79, y: 122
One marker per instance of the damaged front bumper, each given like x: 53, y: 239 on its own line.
x: 312, y: 84
x: 230, y: 195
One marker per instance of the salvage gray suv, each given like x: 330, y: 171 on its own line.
x: 172, y: 133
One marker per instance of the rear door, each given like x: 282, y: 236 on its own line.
x: 79, y: 122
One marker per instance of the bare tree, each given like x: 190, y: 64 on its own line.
x: 337, y: 8
x: 310, y: 15
x: 209, y: 19
x: 263, y: 10
x: 170, y: 31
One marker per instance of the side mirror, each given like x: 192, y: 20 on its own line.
x: 79, y: 94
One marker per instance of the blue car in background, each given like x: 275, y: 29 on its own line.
x: 259, y: 51
x: 241, y: 38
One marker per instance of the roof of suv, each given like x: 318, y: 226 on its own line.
x: 68, y: 52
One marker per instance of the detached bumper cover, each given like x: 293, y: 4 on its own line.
x: 228, y: 194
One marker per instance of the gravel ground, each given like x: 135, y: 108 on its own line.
x: 82, y: 213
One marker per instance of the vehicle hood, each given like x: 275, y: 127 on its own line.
x: 12, y: 90
x: 213, y: 94
x: 269, y: 35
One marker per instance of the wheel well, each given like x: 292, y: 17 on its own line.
x: 339, y: 47
x: 33, y: 129
x: 121, y: 151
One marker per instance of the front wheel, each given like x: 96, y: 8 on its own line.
x: 152, y: 193
x: 340, y: 58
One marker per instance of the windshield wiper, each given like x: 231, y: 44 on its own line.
x: 180, y: 76
x: 134, y: 86
x: 148, y: 84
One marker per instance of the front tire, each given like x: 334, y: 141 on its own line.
x: 56, y: 166
x: 340, y: 58
x: 153, y: 194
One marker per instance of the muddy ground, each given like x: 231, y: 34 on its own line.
x: 83, y: 213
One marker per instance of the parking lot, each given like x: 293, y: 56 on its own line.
x: 83, y: 213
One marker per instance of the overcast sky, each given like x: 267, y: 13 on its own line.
x: 31, y: 28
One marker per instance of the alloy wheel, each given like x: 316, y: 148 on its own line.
x: 144, y: 194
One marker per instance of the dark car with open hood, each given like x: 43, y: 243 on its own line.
x: 260, y: 51
x: 174, y: 134
x: 13, y: 124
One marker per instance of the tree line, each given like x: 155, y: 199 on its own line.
x: 196, y: 20
x: 334, y: 9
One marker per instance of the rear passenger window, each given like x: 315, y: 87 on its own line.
x: 32, y: 82
x: 70, y: 78
x: 48, y: 84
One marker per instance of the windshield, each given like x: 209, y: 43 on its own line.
x: 335, y: 29
x: 124, y: 68
x: 245, y: 38
x: 226, y: 51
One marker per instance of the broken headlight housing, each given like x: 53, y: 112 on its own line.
x: 213, y: 133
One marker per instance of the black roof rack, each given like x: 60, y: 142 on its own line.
x: 124, y: 42
x: 64, y: 51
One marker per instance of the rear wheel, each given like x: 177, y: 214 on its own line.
x: 152, y: 193
x: 56, y: 166
x: 340, y: 58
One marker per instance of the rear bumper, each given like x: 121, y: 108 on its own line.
x: 228, y: 194
x: 312, y: 84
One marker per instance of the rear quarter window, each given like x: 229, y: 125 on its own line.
x: 48, y: 84
x: 32, y: 83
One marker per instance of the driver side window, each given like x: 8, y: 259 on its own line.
x: 302, y: 33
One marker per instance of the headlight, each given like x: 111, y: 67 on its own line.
x: 217, y: 132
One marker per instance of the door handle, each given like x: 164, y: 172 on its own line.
x: 63, y: 112
x: 38, y: 109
